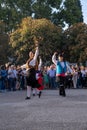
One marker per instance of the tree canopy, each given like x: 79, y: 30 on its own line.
x: 31, y: 30
x: 58, y: 11
x: 4, y: 44
x: 75, y: 42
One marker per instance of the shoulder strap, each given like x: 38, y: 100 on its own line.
x: 29, y: 66
x: 27, y: 63
x: 57, y: 62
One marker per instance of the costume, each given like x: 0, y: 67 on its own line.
x: 40, y: 80
x: 32, y: 82
x: 61, y: 69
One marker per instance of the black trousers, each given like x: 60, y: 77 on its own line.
x: 61, y: 82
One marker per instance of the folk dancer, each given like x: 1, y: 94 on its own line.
x: 61, y: 69
x: 32, y: 66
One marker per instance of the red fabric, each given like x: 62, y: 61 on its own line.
x: 63, y: 75
x: 40, y: 81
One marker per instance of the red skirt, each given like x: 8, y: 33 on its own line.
x: 40, y: 81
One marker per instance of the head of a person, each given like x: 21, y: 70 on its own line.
x: 82, y: 67
x: 52, y: 66
x: 31, y: 54
x: 60, y: 57
x: 12, y: 67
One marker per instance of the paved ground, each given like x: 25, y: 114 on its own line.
x: 51, y: 112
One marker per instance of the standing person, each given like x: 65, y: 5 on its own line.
x: 75, y: 77
x: 32, y: 66
x: 52, y: 74
x: 39, y: 77
x: 0, y: 80
x: 11, y: 78
x: 61, y: 69
x: 31, y: 63
x: 45, y: 78
x: 83, y: 76
x: 3, y: 77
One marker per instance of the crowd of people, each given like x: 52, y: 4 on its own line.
x: 13, y: 77
x: 36, y: 78
x: 76, y: 79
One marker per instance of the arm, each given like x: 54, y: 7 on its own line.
x: 68, y: 68
x: 40, y: 64
x: 23, y: 66
x: 33, y: 61
x: 36, y: 54
x: 54, y: 58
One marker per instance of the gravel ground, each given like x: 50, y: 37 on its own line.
x: 50, y: 112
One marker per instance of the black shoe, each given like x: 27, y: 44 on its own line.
x: 39, y: 94
x: 27, y: 98
x: 60, y: 94
x: 64, y: 95
x: 14, y: 89
x: 33, y: 94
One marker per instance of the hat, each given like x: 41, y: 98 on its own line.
x: 60, y: 55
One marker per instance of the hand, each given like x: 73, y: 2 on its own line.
x: 55, y: 53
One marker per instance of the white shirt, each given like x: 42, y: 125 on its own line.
x: 33, y: 61
x: 83, y: 73
x: 11, y: 73
x: 15, y: 73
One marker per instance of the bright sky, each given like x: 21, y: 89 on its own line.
x: 84, y: 9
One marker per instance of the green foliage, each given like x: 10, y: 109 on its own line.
x: 2, y: 27
x: 75, y: 41
x: 24, y: 38
x: 72, y: 12
x: 4, y: 44
x: 12, y: 11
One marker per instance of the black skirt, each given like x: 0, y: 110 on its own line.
x: 31, y: 79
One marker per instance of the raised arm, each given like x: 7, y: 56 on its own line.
x: 36, y: 54
x: 54, y: 58
x: 40, y: 63
x: 33, y: 61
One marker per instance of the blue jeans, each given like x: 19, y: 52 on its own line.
x: 2, y: 84
x: 12, y: 83
x: 52, y: 82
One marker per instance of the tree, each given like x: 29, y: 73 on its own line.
x: 31, y: 31
x: 59, y: 12
x: 4, y: 44
x: 72, y: 12
x: 44, y: 8
x: 75, y: 42
x: 12, y: 11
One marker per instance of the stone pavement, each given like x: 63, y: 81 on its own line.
x: 50, y: 112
